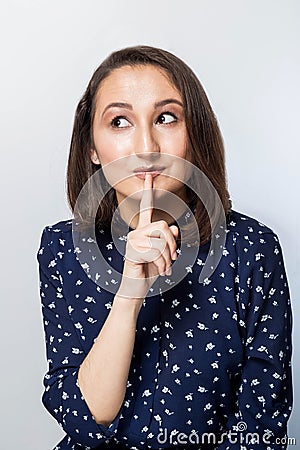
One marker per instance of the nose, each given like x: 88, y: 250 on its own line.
x: 146, y: 143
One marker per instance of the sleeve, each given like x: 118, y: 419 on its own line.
x: 264, y: 395
x: 62, y: 396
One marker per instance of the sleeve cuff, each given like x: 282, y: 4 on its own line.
x: 77, y: 420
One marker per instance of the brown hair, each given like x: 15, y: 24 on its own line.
x: 205, y: 140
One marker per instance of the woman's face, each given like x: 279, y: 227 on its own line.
x: 139, y: 122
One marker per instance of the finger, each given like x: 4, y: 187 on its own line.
x: 156, y: 252
x: 160, y: 256
x: 167, y: 260
x: 146, y: 204
x: 146, y: 255
x: 169, y: 235
x: 175, y: 231
x: 160, y: 264
x: 158, y: 260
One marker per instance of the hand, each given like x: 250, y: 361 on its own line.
x: 149, y: 250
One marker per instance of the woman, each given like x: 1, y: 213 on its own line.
x: 157, y: 359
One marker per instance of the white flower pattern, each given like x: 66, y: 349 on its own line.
x: 206, y: 355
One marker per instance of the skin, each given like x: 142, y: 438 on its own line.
x: 146, y: 132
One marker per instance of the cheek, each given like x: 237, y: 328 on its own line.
x: 176, y: 144
x: 110, y: 147
x: 104, y: 148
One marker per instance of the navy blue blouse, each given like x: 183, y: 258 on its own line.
x: 211, y: 362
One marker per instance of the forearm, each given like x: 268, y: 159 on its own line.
x: 103, y: 375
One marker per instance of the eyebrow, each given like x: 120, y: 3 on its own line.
x: 129, y: 106
x: 167, y: 102
x: 117, y: 105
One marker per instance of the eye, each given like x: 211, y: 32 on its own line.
x: 119, y: 122
x: 166, y: 118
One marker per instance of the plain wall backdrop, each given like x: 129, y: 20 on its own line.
x: 246, y: 54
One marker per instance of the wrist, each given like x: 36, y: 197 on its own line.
x: 123, y: 304
x: 132, y: 288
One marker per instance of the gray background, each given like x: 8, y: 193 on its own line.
x: 246, y: 53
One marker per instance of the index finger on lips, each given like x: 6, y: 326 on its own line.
x: 146, y: 204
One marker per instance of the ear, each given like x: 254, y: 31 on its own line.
x: 94, y: 156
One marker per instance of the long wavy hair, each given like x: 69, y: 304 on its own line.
x: 204, y: 136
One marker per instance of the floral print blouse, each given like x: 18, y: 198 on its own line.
x: 211, y: 366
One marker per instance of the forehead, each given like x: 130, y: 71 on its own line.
x: 135, y: 83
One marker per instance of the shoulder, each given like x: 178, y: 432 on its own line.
x: 63, y: 226
x: 253, y: 238
x: 53, y: 235
x: 241, y: 224
x: 60, y: 236
x: 59, y: 230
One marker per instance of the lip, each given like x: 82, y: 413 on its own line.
x: 140, y: 172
